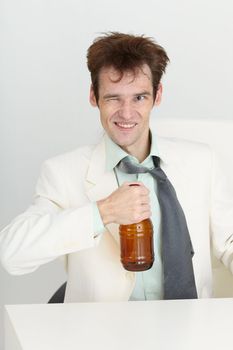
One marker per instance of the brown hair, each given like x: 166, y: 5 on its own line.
x: 125, y: 52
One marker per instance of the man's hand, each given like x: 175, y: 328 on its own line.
x: 127, y: 205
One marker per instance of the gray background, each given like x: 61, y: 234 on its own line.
x: 44, y: 85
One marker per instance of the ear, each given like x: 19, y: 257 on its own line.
x: 158, y: 97
x: 92, y: 98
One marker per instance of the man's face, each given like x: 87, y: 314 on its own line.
x: 125, y: 107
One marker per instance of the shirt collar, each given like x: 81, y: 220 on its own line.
x: 114, y: 153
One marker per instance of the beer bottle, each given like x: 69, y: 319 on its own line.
x: 137, y: 245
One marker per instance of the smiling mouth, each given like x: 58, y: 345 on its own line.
x: 125, y: 126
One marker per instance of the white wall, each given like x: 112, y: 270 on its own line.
x: 44, y: 88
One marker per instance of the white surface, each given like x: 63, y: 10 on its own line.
x: 12, y: 341
x: 160, y: 325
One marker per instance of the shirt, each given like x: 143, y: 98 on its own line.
x: 149, y: 284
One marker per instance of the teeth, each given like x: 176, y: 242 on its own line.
x: 127, y: 126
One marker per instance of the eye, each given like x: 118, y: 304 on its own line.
x: 140, y: 97
x: 112, y: 99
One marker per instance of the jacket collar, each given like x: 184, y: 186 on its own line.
x: 97, y: 173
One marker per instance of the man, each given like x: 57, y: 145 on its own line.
x: 82, y: 196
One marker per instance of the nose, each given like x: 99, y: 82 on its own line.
x: 126, y: 110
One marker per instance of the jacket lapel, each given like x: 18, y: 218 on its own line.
x: 100, y: 183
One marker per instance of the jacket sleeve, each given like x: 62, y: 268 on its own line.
x: 221, y: 214
x: 47, y: 229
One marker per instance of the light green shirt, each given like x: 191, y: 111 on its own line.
x: 149, y: 284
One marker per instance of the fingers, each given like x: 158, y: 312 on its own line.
x: 130, y: 203
x: 139, y: 202
x: 140, y: 213
x: 140, y: 193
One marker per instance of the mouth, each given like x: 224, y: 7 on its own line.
x: 125, y: 126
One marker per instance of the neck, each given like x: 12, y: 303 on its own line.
x: 139, y: 152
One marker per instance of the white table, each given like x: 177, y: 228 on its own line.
x: 158, y: 325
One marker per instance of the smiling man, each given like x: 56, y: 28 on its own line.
x: 125, y: 103
x: 83, y: 196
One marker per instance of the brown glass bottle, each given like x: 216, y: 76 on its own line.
x: 137, y: 246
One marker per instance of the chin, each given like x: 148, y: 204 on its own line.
x: 121, y: 141
x: 124, y: 145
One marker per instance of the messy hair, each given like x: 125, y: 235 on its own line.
x: 125, y: 52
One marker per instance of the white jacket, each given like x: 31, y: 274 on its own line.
x: 60, y: 222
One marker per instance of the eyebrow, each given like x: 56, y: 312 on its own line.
x: 106, y: 96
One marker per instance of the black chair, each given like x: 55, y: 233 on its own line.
x: 59, y: 296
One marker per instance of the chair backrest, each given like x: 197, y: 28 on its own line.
x: 59, y: 296
x: 218, y: 134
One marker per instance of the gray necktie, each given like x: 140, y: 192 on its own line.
x: 177, y: 251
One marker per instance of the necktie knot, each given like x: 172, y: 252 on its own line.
x: 126, y: 165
